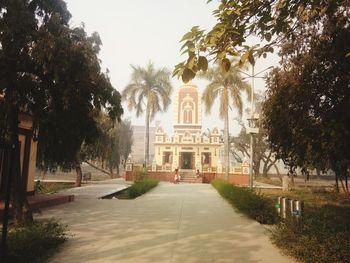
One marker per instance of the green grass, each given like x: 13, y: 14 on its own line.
x: 51, y: 187
x: 322, y: 235
x: 311, y: 197
x: 35, y: 243
x: 323, y: 232
x: 248, y: 202
x: 268, y: 180
x: 137, y: 189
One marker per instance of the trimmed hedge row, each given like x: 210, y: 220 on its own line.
x: 141, y: 187
x: 248, y: 202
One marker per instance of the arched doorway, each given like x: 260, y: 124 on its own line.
x: 187, y: 160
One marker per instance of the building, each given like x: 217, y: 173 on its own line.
x: 187, y: 149
x: 138, y: 147
x: 28, y: 150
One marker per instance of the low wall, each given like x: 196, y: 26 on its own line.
x: 236, y: 179
x: 161, y: 176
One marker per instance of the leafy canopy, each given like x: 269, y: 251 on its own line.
x: 273, y: 21
x: 52, y: 71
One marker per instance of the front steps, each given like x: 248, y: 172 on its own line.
x: 189, y: 177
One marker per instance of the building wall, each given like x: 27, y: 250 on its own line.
x: 28, y: 151
x: 138, y: 148
x: 187, y: 136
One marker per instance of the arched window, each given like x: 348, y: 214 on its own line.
x: 187, y: 113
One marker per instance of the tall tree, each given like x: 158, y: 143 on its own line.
x: 126, y: 142
x: 227, y: 86
x: 149, y: 91
x: 307, y: 110
x: 113, y: 144
x: 263, y: 154
x: 273, y: 21
x: 81, y: 93
x: 52, y: 72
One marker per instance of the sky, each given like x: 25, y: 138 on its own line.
x: 136, y: 32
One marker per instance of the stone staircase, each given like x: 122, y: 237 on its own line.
x: 188, y: 177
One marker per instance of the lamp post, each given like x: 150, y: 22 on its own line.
x: 253, y: 122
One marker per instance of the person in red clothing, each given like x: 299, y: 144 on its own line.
x: 176, y: 176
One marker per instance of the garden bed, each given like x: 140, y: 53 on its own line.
x: 135, y: 190
x: 321, y: 235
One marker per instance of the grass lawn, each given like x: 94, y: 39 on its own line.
x: 321, y: 235
x: 51, y: 187
x: 311, y: 197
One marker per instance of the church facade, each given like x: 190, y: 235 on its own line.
x: 187, y: 149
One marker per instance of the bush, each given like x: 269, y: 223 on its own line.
x: 141, y: 187
x: 321, y: 235
x: 35, y: 242
x: 51, y: 187
x: 248, y: 202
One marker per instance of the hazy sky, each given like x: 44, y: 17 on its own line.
x: 135, y: 32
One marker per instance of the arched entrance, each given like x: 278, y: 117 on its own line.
x: 187, y: 160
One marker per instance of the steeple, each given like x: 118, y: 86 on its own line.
x: 188, y: 110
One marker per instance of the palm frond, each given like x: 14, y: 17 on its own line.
x: 151, y: 85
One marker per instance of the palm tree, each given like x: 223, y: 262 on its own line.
x: 148, y: 91
x: 227, y: 86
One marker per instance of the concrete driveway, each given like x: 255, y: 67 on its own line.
x: 172, y: 223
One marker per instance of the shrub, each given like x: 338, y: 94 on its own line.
x: 248, y: 202
x: 35, y: 242
x: 39, y: 187
x: 141, y: 174
x: 141, y: 187
x: 321, y: 235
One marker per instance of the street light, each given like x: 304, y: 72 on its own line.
x: 253, y: 121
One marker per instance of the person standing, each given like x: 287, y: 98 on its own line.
x: 176, y: 176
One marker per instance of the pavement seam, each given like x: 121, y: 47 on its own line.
x: 178, y: 231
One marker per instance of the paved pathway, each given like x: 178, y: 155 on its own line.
x: 172, y: 223
x: 97, y: 189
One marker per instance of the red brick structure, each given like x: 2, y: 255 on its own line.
x: 236, y: 179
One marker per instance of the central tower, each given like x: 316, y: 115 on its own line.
x: 188, y: 110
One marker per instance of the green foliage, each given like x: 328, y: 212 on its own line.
x: 248, y: 202
x: 35, y: 243
x: 273, y: 22
x: 148, y: 91
x: 226, y: 86
x: 138, y: 188
x: 141, y: 187
x: 263, y: 155
x: 321, y: 235
x: 113, y: 143
x: 39, y: 187
x: 140, y: 174
x: 306, y: 111
x: 50, y: 187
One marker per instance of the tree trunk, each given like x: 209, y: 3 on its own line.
x: 226, y: 143
x: 96, y: 167
x: 278, y: 172
x: 318, y: 173
x: 336, y: 182
x: 118, y: 171
x: 79, y: 175
x: 292, y: 180
x: 111, y: 170
x: 147, y: 137
x: 264, y: 173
